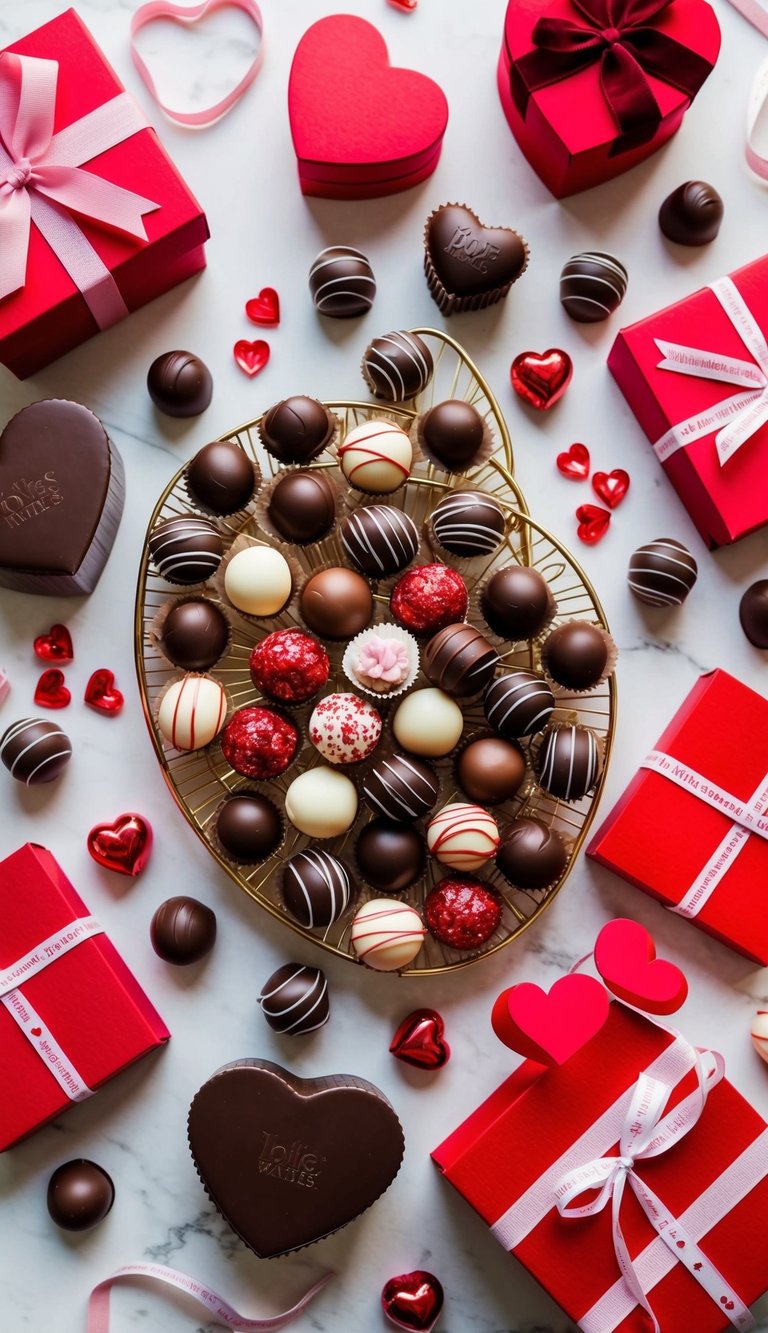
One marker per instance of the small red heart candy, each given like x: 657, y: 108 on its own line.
x: 541, y: 378
x: 123, y: 846
x: 102, y: 694
x: 407, y: 6
x: 55, y: 646
x: 593, y: 523
x: 35, y: 1032
x: 50, y: 691
x: 419, y: 1040
x: 251, y: 357
x: 574, y: 462
x: 413, y: 1300
x: 611, y: 487
x: 550, y: 1027
x: 698, y: 1267
x: 264, y: 308
x: 625, y: 957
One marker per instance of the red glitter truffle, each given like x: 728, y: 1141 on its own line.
x: 289, y: 665
x: 463, y: 913
x: 259, y: 742
x: 428, y: 598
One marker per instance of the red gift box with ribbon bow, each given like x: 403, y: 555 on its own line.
x: 71, y: 1013
x: 95, y: 220
x: 592, y: 87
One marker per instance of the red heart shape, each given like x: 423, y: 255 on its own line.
x: 35, y: 1032
x: 550, y: 1027
x: 50, y: 691
x: 407, y: 5
x: 102, y: 694
x: 625, y: 957
x: 264, y: 308
x: 123, y: 846
x: 574, y: 462
x: 251, y: 357
x: 611, y: 487
x: 541, y: 378
x: 419, y: 1040
x: 413, y: 1300
x: 593, y: 523
x: 55, y: 646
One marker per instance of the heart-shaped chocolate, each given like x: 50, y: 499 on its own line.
x: 61, y: 498
x: 468, y: 265
x: 288, y: 1160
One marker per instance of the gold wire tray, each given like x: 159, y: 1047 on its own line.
x: 200, y: 780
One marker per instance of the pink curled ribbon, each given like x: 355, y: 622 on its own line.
x: 757, y: 119
x: 756, y: 11
x: 187, y: 15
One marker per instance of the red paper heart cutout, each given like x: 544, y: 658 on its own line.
x: 50, y: 691
x: 541, y: 378
x: 55, y: 646
x: 251, y: 357
x: 574, y: 462
x: 264, y: 308
x: 413, y: 1300
x: 550, y: 1026
x: 594, y: 522
x: 625, y: 957
x: 123, y: 846
x: 102, y: 694
x: 35, y: 1032
x: 407, y: 6
x: 611, y: 487
x: 419, y: 1040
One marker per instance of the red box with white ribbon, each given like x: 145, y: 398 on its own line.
x: 696, y: 377
x: 71, y: 1013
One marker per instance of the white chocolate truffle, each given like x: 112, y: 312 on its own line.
x: 759, y: 1033
x: 376, y: 457
x: 321, y: 802
x: 258, y: 581
x: 428, y: 722
x: 462, y: 836
x: 192, y: 712
x: 344, y: 728
x: 387, y: 934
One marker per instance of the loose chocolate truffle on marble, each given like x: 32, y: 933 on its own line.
x: 80, y: 1194
x: 453, y: 434
x: 249, y: 827
x: 390, y: 855
x: 35, y: 751
x: 753, y: 613
x: 401, y: 787
x: 194, y: 635
x: 490, y: 770
x: 662, y: 573
x: 518, y: 703
x: 295, y: 1000
x: 316, y: 888
x: 397, y: 366
x: 460, y: 660
x: 297, y: 429
x: 183, y: 931
x: 179, y: 384
x: 336, y: 603
x: 341, y: 282
x: 468, y: 523
x: 577, y: 655
x: 302, y: 506
x: 186, y: 550
x: 379, y: 540
x: 592, y: 286
x: 517, y: 602
x: 568, y: 763
x: 692, y: 214
x: 221, y: 477
x: 531, y: 855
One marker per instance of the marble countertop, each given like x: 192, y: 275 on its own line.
x: 266, y: 233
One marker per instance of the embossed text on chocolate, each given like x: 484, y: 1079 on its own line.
x: 472, y: 250
x: 26, y: 500
x: 289, y: 1162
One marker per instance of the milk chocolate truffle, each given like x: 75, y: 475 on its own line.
x: 183, y: 931
x: 753, y: 613
x: 662, y: 573
x: 302, y: 506
x: 459, y: 660
x: 531, y: 855
x: 35, y: 751
x: 692, y: 214
x: 186, y: 550
x: 401, y: 787
x: 517, y: 602
x: 387, y: 934
x: 80, y: 1194
x: 568, y: 763
x: 379, y: 540
x: 194, y: 635
x: 296, y: 429
x: 592, y: 286
x: 576, y: 655
x: 376, y: 457
x: 470, y: 266
x: 341, y: 282
x: 295, y: 1000
x: 336, y: 603
x: 192, y: 712
x: 258, y: 581
x: 179, y: 384
x: 397, y: 366
x: 518, y: 703
x: 321, y: 802
x: 453, y: 433
x: 316, y: 888
x: 490, y: 770
x: 249, y: 827
x: 428, y: 722
x: 221, y: 477
x: 390, y: 855
x: 468, y: 523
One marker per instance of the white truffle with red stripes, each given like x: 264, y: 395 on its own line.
x: 463, y: 836
x: 192, y: 712
x: 387, y: 934
x: 376, y: 457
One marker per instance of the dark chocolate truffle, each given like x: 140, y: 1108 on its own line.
x: 576, y: 655
x: 221, y: 477
x: 662, y: 573
x: 397, y: 366
x: 341, y: 282
x: 179, y: 384
x: 379, y: 539
x: 753, y: 613
x: 316, y: 888
x: 249, y: 827
x: 568, y: 763
x: 460, y: 660
x: 490, y: 770
x: 186, y: 550
x: 517, y: 602
x: 295, y: 1000
x: 80, y: 1194
x: 452, y: 433
x: 518, y: 703
x: 390, y: 855
x: 401, y: 787
x: 470, y: 266
x: 302, y: 506
x: 692, y: 214
x: 297, y: 429
x: 35, y: 750
x: 337, y: 603
x: 468, y: 523
x: 592, y: 286
x: 183, y: 931
x: 194, y: 635
x: 531, y: 855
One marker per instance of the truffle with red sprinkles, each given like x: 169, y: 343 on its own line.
x: 289, y: 666
x: 428, y: 598
x: 463, y: 912
x: 344, y: 728
x: 259, y: 742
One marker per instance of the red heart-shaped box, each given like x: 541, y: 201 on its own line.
x: 361, y: 128
x: 568, y: 132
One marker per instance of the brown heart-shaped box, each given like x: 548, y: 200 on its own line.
x: 286, y: 1160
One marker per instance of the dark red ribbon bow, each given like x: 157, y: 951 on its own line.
x: 620, y: 34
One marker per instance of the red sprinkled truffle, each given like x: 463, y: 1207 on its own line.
x: 259, y: 742
x: 463, y: 913
x: 344, y: 729
x: 289, y: 665
x: 428, y: 598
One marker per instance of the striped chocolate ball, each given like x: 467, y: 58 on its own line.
x: 35, y: 750
x: 397, y: 366
x: 316, y: 888
x: 468, y: 523
x: 401, y: 787
x: 295, y: 1000
x: 379, y: 540
x: 662, y: 573
x: 460, y: 660
x: 592, y: 286
x: 186, y: 550
x: 568, y: 762
x: 518, y: 704
x: 341, y: 282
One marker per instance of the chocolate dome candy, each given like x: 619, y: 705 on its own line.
x: 531, y: 855
x: 194, y: 635
x: 662, y: 573
x: 459, y: 660
x: 428, y: 722
x: 221, y: 477
x: 568, y: 763
x: 35, y: 751
x: 468, y: 265
x: 397, y: 366
x: 519, y: 703
x: 186, y: 549
x: 80, y: 1194
x: 341, y: 282
x: 183, y: 931
x: 401, y: 787
x: 180, y: 384
x: 296, y: 429
x: 295, y: 999
x: 316, y: 888
x: 517, y: 602
x: 336, y: 603
x: 592, y: 286
x: 376, y: 457
x: 462, y: 836
x: 192, y: 712
x: 379, y: 540
x: 692, y: 214
x: 490, y: 770
x: 468, y: 523
x: 344, y: 728
x: 386, y: 934
x: 302, y: 506
x: 753, y: 613
x: 390, y: 855
x: 453, y: 434
x: 321, y: 802
x: 258, y: 581
x: 576, y: 655
x: 249, y: 827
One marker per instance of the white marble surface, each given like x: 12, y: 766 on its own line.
x: 264, y: 232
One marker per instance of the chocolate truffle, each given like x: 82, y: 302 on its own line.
x: 186, y: 550
x: 468, y: 523
x: 295, y: 1000
x: 297, y: 429
x: 344, y: 728
x: 531, y: 855
x: 192, y: 712
x: 692, y: 214
x: 462, y: 836
x: 463, y: 913
x: 387, y: 935
x: 576, y: 655
x: 258, y: 581
x: 379, y: 540
x: 183, y: 931
x: 662, y: 573
x: 592, y: 286
x: 428, y: 722
x: 336, y: 603
x: 316, y: 888
x: 80, y: 1194
x: 519, y: 703
x: 517, y: 602
x: 376, y: 457
x: 459, y: 660
x: 321, y: 802
x: 260, y: 743
x: 753, y: 613
x: 397, y: 366
x: 390, y: 855
x: 453, y: 434
x: 568, y: 763
x: 429, y: 597
x: 35, y: 751
x: 341, y: 282
x: 221, y: 477
x: 289, y: 665
x: 249, y: 827
x: 194, y: 635
x: 470, y: 266
x: 302, y: 506
x: 179, y: 384
x: 491, y: 770
x: 401, y: 787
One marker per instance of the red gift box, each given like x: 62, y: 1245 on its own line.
x: 49, y: 314
x: 708, y: 861
x: 71, y: 1013
x: 559, y: 104
x: 684, y: 413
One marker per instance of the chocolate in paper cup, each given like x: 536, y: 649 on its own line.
x: 248, y: 789
x: 264, y: 519
x: 367, y: 684
x: 484, y: 450
x: 608, y: 670
x: 278, y: 619
x: 157, y: 625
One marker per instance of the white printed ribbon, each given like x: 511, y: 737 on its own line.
x: 738, y: 417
